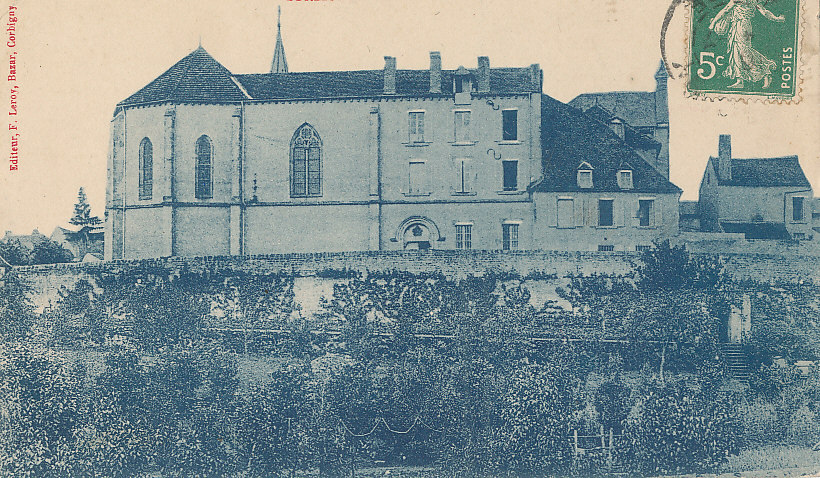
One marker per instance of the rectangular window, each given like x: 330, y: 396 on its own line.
x: 797, y: 208
x: 584, y: 178
x: 510, y: 125
x: 416, y: 178
x: 566, y: 214
x: 642, y: 248
x: 625, y: 179
x: 645, y: 207
x: 606, y: 248
x: 509, y: 236
x: 416, y: 126
x: 462, y: 126
x: 464, y: 236
x: 464, y: 180
x: 605, y: 212
x: 510, y: 175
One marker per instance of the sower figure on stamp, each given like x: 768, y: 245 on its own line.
x: 744, y: 63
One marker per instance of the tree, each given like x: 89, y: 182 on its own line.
x: 82, y: 217
x: 15, y: 253
x: 50, y: 252
x: 41, y: 404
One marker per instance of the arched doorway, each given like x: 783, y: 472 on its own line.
x: 418, y: 234
x: 417, y: 237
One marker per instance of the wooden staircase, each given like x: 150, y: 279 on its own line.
x: 736, y: 361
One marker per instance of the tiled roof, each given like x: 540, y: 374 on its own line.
x: 765, y: 172
x: 195, y: 78
x: 633, y: 137
x: 199, y: 78
x: 635, y: 107
x: 570, y: 137
x: 335, y: 84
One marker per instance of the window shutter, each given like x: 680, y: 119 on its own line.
x: 581, y: 211
x: 655, y: 213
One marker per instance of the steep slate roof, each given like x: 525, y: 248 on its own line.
x: 635, y: 107
x: 195, y: 78
x: 335, y: 84
x: 633, y: 137
x: 638, y: 108
x: 764, y: 172
x: 199, y: 78
x: 570, y: 137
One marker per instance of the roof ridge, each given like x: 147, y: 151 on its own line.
x: 189, y: 57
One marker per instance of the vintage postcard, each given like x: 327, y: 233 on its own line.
x: 384, y: 238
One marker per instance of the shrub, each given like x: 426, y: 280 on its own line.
x: 804, y: 428
x: 675, y: 429
x: 535, y: 421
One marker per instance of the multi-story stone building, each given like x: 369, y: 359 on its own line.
x: 206, y: 162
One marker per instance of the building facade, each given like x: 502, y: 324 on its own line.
x: 205, y: 162
x: 763, y: 198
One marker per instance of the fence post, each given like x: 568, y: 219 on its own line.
x: 603, y: 438
x: 610, y: 449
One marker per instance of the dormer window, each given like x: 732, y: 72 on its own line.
x: 462, y: 81
x: 625, y: 179
x: 585, y: 176
x: 462, y: 84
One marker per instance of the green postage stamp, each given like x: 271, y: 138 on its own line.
x: 744, y: 48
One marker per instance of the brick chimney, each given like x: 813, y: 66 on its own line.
x: 435, y: 72
x: 483, y: 74
x: 725, y: 157
x: 389, y: 75
x: 536, y: 77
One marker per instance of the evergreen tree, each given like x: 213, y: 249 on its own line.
x: 83, y: 218
x: 82, y: 213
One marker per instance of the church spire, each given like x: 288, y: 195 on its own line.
x: 280, y: 63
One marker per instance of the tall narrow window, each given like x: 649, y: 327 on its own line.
x: 464, y: 176
x: 797, y: 208
x: 605, y: 212
x: 146, y: 169
x: 306, y: 163
x: 462, y: 126
x: 510, y: 182
x: 645, y: 212
x: 566, y: 215
x: 510, y: 125
x: 204, y: 168
x: 416, y: 178
x: 509, y: 236
x: 464, y: 236
x: 416, y: 126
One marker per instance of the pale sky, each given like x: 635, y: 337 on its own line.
x: 77, y: 59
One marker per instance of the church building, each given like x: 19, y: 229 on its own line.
x: 206, y: 162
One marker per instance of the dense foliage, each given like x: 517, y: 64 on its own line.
x: 151, y: 372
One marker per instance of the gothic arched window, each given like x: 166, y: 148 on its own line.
x: 146, y: 169
x: 204, y: 168
x: 305, y: 163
